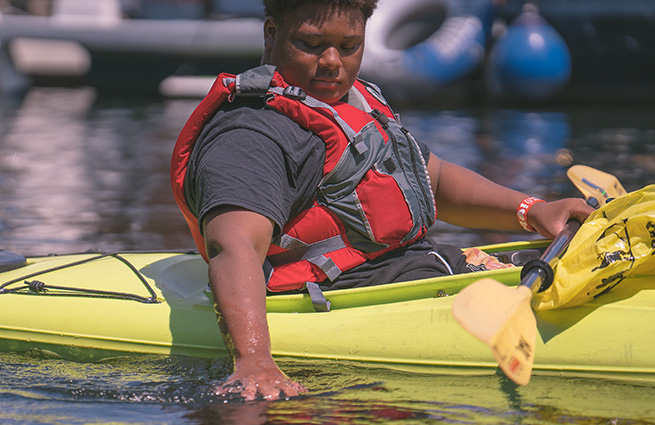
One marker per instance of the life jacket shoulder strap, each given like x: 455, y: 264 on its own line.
x: 254, y: 82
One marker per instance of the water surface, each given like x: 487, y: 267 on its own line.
x: 173, y: 390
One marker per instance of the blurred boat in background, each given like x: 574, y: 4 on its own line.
x: 114, y: 45
x: 417, y: 50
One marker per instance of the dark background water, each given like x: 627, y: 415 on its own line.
x: 82, y: 171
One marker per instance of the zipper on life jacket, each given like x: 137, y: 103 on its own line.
x: 411, y: 140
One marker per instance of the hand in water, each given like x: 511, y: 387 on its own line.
x: 253, y: 380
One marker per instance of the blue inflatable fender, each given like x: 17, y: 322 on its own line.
x: 416, y: 45
x: 530, y: 61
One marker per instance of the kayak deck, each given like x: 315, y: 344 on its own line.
x: 405, y: 325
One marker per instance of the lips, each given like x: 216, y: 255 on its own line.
x: 327, y: 89
x: 326, y: 83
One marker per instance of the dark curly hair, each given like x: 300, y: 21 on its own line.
x: 277, y: 9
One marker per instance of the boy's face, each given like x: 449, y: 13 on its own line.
x: 317, y: 48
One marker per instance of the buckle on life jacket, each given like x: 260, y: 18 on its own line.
x: 320, y: 303
x: 295, y: 93
x: 380, y: 117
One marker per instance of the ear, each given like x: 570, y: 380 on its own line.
x: 270, y: 32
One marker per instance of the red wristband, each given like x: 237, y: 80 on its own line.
x: 522, y: 212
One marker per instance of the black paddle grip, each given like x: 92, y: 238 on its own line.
x: 539, y: 265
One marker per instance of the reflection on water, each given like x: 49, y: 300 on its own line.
x: 79, y: 172
x: 175, y: 390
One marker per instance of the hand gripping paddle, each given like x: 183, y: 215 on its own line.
x: 501, y: 316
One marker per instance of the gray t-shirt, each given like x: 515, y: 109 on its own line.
x: 252, y: 157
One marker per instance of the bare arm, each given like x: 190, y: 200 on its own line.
x: 237, y: 241
x: 465, y: 198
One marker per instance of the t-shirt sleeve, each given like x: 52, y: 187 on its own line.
x: 425, y: 151
x: 243, y: 168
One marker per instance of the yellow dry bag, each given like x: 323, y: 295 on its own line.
x: 615, y: 242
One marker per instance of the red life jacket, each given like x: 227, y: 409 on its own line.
x: 374, y: 196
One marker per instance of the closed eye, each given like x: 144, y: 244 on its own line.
x: 311, y: 46
x: 350, y: 49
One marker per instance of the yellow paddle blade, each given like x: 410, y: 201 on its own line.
x: 514, y: 345
x: 595, y: 183
x: 502, y: 318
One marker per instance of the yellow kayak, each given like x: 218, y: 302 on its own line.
x: 90, y: 306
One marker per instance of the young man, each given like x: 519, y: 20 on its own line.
x: 316, y: 177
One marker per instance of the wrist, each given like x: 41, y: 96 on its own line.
x: 522, y: 212
x: 251, y: 362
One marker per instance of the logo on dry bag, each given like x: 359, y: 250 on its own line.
x: 619, y: 237
x: 650, y: 227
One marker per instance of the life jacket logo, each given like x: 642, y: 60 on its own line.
x: 376, y: 95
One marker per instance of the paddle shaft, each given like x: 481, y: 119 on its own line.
x: 540, y: 271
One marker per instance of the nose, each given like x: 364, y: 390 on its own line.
x: 330, y: 58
